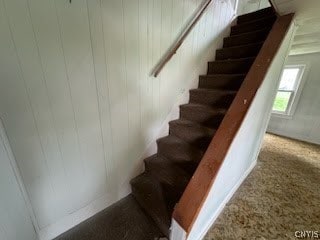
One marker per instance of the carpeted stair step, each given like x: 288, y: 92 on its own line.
x: 266, y: 22
x: 167, y: 172
x: 212, y: 97
x: 150, y: 195
x: 173, y: 179
x: 255, y: 15
x: 221, y: 81
x: 192, y: 132
x: 246, y: 38
x: 250, y: 50
x: 183, y: 154
x: 203, y: 114
x: 232, y: 66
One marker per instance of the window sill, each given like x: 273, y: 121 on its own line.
x: 282, y: 115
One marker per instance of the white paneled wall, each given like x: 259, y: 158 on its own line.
x: 305, y: 122
x: 76, y: 95
x: 15, y: 222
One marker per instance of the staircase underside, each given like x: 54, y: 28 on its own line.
x: 146, y: 214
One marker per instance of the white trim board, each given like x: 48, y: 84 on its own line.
x: 177, y: 232
x: 293, y: 136
x: 224, y: 203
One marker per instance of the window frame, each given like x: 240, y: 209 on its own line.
x: 295, y: 94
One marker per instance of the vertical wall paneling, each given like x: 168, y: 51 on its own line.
x: 132, y: 57
x: 220, y: 26
x: 77, y: 99
x: 176, y: 29
x: 165, y: 43
x: 47, y: 35
x: 215, y: 26
x: 22, y: 33
x: 76, y: 41
x: 144, y: 66
x: 201, y: 37
x: 116, y: 75
x: 186, y: 48
x: 195, y: 41
x: 227, y: 16
x: 183, y: 8
x: 102, y: 87
x: 15, y: 223
x: 156, y: 55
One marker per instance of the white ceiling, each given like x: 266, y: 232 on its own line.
x: 307, y: 35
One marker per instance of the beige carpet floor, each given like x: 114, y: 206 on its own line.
x: 280, y: 196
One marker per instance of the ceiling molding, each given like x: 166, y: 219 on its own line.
x: 307, y: 20
x: 307, y: 38
x: 298, y: 49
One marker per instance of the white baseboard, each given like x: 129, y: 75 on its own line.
x: 70, y: 221
x: 294, y: 136
x: 215, y: 215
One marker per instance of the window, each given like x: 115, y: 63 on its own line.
x: 288, y: 90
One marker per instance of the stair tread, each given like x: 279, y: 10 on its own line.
x: 195, y: 134
x: 149, y: 194
x: 204, y: 107
x: 236, y: 65
x: 181, y: 153
x: 236, y: 52
x: 222, y: 75
x: 222, y: 83
x: 233, y: 60
x: 171, y: 139
x: 194, y: 125
x: 174, y: 139
x: 253, y: 25
x: 263, y: 19
x: 246, y: 17
x: 242, y: 46
x: 249, y: 33
x: 246, y: 37
x: 167, y: 171
x: 221, y: 91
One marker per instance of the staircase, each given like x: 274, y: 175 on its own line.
x: 146, y: 213
x: 168, y: 172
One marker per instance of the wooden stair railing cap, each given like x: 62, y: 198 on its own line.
x: 189, y: 206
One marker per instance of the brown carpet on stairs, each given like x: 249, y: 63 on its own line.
x: 280, y: 196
